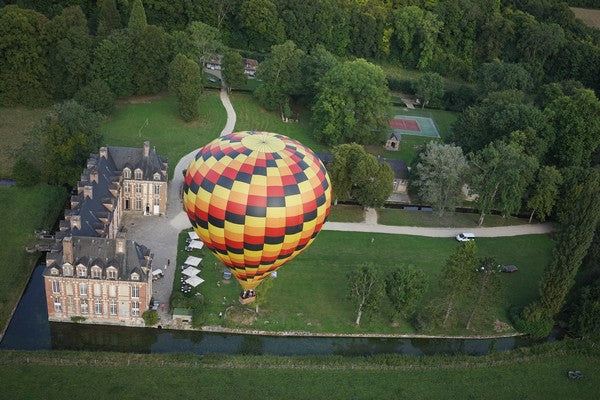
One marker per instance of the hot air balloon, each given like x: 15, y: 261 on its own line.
x: 256, y: 200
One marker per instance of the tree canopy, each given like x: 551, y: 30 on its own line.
x: 352, y: 104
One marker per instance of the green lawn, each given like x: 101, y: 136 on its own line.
x: 391, y: 216
x: 398, y: 72
x: 519, y: 374
x: 252, y: 117
x: 172, y: 137
x: 23, y: 211
x: 346, y: 213
x: 310, y: 291
x: 15, y: 123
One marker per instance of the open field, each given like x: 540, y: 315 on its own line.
x: 172, y: 137
x: 588, y: 16
x: 23, y: 211
x: 310, y: 291
x: 252, y: 117
x: 391, y: 216
x: 15, y: 123
x: 538, y: 373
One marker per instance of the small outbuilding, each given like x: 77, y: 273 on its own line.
x: 393, y: 142
x: 182, y: 315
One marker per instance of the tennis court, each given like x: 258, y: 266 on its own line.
x: 418, y: 126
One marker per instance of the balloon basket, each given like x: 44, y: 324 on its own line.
x: 247, y: 300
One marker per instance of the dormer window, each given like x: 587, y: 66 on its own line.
x: 138, y: 174
x: 54, y: 271
x: 67, y: 270
x: 135, y: 277
x: 96, y: 272
x: 157, y: 176
x: 126, y: 173
x: 81, y: 271
x: 111, y: 273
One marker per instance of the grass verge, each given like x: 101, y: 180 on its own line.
x: 391, y: 216
x: 346, y: 213
x: 23, y: 211
x: 529, y: 373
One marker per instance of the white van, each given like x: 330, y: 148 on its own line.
x: 465, y: 237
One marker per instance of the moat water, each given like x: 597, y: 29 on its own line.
x: 29, y: 329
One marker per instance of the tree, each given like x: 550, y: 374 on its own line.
x: 373, y: 182
x: 185, y: 81
x: 26, y: 170
x: 577, y: 118
x: 149, y: 61
x: 416, y: 35
x: 585, y: 320
x: 501, y: 174
x: 281, y: 75
x: 429, y: 88
x: 261, y: 23
x: 486, y: 286
x: 498, y: 75
x: 404, y: 288
x: 150, y: 317
x: 69, y: 50
x: 358, y: 175
x: 352, y: 104
x: 545, y: 192
x: 457, y: 277
x: 496, y: 117
x: 578, y: 224
x: 68, y: 135
x: 23, y: 66
x: 112, y: 63
x: 345, y: 162
x: 96, y: 96
x: 137, y: 18
x: 364, y: 290
x: 233, y: 70
x: 108, y: 18
x: 203, y: 42
x: 441, y: 174
x: 318, y: 62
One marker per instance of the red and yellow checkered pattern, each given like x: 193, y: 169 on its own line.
x: 257, y: 200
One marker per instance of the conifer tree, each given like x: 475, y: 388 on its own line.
x: 137, y: 18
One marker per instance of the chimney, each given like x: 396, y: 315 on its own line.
x: 120, y: 242
x: 87, y: 191
x: 103, y: 152
x: 75, y: 221
x: 68, y: 249
x: 146, y: 149
x: 94, y: 175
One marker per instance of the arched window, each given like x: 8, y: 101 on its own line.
x: 54, y: 271
x: 111, y: 273
x: 96, y: 272
x: 138, y: 174
x: 126, y: 173
x: 135, y: 277
x: 67, y: 270
x: 157, y: 176
x: 81, y: 271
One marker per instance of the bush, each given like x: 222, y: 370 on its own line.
x: 150, y: 317
x: 533, y: 321
x: 401, y: 85
x: 459, y: 98
x: 77, y: 319
x: 26, y: 172
x: 96, y: 96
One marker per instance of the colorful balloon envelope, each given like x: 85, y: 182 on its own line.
x: 256, y: 200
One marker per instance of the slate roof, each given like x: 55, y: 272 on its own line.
x: 91, y: 251
x: 133, y: 158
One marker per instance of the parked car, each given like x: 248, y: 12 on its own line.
x: 154, y: 304
x: 509, y: 269
x: 465, y: 237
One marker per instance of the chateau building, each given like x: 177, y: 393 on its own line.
x: 93, y: 272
